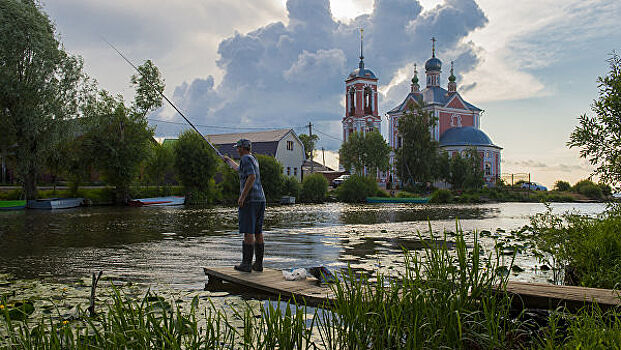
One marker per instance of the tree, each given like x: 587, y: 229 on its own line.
x: 40, y: 85
x: 416, y: 159
x: 119, y: 136
x: 466, y: 172
x: 161, y: 162
x: 196, y: 163
x: 599, y: 137
x: 309, y: 143
x: 562, y: 186
x: 272, y: 177
x: 365, y: 150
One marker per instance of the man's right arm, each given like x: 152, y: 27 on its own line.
x: 231, y: 163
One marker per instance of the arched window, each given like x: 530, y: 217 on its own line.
x: 352, y: 101
x: 488, y: 169
x: 368, y: 95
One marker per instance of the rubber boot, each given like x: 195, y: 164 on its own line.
x: 258, y: 252
x: 246, y: 265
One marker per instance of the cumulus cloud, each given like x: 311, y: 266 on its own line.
x: 287, y: 73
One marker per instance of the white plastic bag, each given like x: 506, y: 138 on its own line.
x: 295, y: 274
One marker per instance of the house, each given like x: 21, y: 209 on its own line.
x: 282, y: 144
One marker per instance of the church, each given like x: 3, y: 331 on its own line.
x: 459, y: 122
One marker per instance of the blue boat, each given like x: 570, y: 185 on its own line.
x: 397, y: 200
x: 157, y: 201
x: 55, y: 203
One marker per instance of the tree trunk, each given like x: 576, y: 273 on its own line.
x: 30, y: 185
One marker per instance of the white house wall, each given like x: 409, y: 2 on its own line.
x: 291, y: 158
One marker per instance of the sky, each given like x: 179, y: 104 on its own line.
x: 238, y: 65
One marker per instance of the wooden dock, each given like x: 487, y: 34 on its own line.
x: 526, y: 295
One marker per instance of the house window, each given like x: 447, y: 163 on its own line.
x: 290, y: 145
x: 288, y: 171
x: 399, y: 142
x: 295, y: 171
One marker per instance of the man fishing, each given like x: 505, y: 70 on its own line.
x: 251, y: 204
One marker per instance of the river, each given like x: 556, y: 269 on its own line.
x: 167, y: 246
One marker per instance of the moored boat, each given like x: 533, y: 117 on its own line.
x: 397, y: 200
x: 12, y: 205
x: 157, y: 201
x: 55, y: 203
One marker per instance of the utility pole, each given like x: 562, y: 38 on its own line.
x: 323, y: 152
x: 310, y: 135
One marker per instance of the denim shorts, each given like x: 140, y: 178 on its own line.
x: 251, y: 217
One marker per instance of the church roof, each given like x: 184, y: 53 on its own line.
x: 361, y: 73
x: 432, y: 95
x: 465, y: 136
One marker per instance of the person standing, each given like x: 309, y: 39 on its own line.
x: 251, y: 203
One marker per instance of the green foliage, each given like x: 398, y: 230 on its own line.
x: 357, y: 188
x: 314, y: 188
x: 160, y: 165
x: 309, y: 143
x: 585, y: 251
x: 291, y: 187
x: 417, y: 158
x: 196, y: 163
x: 588, y: 188
x: 466, y: 172
x: 562, y: 186
x: 362, y: 150
x: 272, y: 177
x: 441, y: 196
x: 41, y: 85
x: 606, y: 189
x: 598, y: 137
x: 229, y: 185
x: 149, y: 87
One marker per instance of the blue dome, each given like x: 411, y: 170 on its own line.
x: 433, y: 64
x: 362, y: 73
x: 465, y: 136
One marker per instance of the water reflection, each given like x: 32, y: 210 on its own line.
x: 170, y: 245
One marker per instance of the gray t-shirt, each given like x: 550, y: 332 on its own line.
x: 248, y: 164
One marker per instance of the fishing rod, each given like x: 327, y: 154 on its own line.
x: 167, y: 100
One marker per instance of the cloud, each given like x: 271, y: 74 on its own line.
x: 530, y: 164
x: 287, y: 73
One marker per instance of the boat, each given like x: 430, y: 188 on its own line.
x: 157, y: 201
x: 55, y: 203
x: 397, y: 199
x: 12, y: 205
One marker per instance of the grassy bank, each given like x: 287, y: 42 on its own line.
x: 442, y: 298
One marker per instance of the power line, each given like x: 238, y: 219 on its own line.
x: 216, y: 126
x: 327, y: 135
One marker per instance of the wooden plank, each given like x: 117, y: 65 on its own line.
x: 272, y: 281
x: 526, y: 295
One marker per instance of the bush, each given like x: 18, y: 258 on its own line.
x: 357, y: 188
x: 606, y: 190
x: 291, y: 187
x: 228, y: 187
x: 562, y: 186
x: 588, y: 188
x: 314, y: 188
x: 441, y: 196
x: 272, y: 178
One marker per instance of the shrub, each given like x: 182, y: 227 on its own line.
x: 562, y: 186
x: 357, y: 188
x: 272, y: 178
x: 291, y: 187
x: 606, y: 190
x: 228, y: 185
x: 314, y: 188
x: 441, y: 196
x: 588, y: 188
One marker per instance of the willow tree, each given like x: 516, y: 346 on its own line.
x: 119, y: 136
x: 40, y: 85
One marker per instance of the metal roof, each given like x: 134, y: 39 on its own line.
x: 432, y: 95
x: 465, y: 136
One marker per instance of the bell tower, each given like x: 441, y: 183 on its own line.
x: 361, y: 110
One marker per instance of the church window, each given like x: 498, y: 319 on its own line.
x: 295, y: 171
x: 398, y: 141
x: 488, y: 169
x: 290, y: 145
x: 352, y: 101
x: 288, y: 171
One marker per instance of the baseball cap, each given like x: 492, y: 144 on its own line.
x: 243, y: 143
